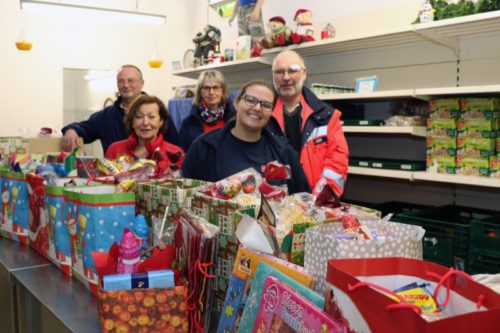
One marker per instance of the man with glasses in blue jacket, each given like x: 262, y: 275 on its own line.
x: 108, y: 124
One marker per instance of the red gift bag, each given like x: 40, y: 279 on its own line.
x: 356, y: 295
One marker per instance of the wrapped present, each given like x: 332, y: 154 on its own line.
x: 96, y: 217
x: 14, y: 222
x: 142, y: 309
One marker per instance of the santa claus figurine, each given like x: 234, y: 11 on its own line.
x: 304, y: 31
x: 279, y: 35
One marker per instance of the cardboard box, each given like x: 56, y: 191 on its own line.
x: 470, y: 166
x: 19, y: 145
x: 444, y: 104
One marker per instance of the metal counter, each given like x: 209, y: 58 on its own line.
x: 14, y: 257
x: 49, y: 301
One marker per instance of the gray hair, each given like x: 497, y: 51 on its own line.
x: 207, y: 75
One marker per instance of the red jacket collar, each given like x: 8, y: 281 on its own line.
x: 150, y: 146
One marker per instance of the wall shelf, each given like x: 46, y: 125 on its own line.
x: 380, y: 173
x: 427, y: 176
x: 447, y: 32
x: 457, y: 179
x: 228, y: 68
x: 410, y: 130
x: 377, y: 95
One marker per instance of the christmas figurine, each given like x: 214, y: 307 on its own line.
x: 304, y: 31
x: 426, y: 13
x: 128, y: 253
x: 280, y: 33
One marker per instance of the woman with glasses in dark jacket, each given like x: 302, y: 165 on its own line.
x: 245, y: 143
x: 211, y: 108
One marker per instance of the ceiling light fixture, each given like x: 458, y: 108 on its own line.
x: 106, y: 13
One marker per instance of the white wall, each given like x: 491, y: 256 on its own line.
x: 32, y: 82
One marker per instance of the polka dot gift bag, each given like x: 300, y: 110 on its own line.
x: 388, y: 239
x: 96, y: 217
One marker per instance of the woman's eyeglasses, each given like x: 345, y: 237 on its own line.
x: 252, y: 102
x: 208, y: 88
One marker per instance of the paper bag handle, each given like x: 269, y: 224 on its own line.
x: 446, y: 278
x: 403, y: 305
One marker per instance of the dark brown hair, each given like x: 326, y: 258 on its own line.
x: 140, y: 101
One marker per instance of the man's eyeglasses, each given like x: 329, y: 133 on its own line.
x: 252, y: 102
x: 129, y: 81
x: 294, y: 70
x: 208, y: 88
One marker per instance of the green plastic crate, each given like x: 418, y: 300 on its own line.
x: 398, y: 207
x: 482, y: 262
x: 485, y: 235
x: 446, y: 239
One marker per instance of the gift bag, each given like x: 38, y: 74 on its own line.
x: 95, y: 217
x: 14, y: 222
x: 357, y: 296
x: 144, y: 310
x: 59, y: 236
x: 39, y: 232
x: 322, y: 244
x: 225, y: 214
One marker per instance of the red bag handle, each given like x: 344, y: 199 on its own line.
x: 191, y: 306
x: 446, y: 278
x: 403, y: 305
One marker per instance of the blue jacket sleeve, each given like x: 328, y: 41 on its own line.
x: 88, y: 129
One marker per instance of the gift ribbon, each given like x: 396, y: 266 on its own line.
x: 446, y: 279
x: 203, y: 268
x: 403, y: 305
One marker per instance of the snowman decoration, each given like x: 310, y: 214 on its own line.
x: 426, y: 13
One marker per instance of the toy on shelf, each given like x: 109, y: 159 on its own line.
x: 328, y: 31
x: 304, y: 31
x: 426, y: 13
x: 279, y: 35
x: 206, y: 42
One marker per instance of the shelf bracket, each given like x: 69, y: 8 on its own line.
x: 451, y: 43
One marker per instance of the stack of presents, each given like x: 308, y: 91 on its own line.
x: 239, y: 255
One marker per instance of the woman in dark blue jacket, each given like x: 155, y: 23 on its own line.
x: 211, y: 108
x: 244, y: 142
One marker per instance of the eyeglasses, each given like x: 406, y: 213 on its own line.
x: 208, y: 88
x: 252, y: 102
x: 294, y: 70
x: 129, y: 81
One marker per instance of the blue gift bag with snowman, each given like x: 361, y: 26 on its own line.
x: 95, y: 217
x: 14, y: 221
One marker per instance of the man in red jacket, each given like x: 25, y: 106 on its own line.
x: 312, y: 127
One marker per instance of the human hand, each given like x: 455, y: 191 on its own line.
x: 71, y: 140
x: 231, y: 19
x: 255, y: 16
